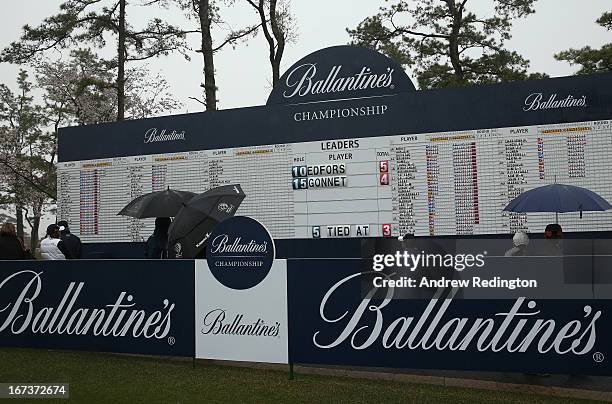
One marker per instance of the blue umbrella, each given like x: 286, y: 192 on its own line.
x: 558, y: 198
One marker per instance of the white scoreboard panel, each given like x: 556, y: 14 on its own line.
x: 451, y: 183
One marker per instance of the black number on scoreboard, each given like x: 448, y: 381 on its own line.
x: 299, y: 171
x: 300, y: 183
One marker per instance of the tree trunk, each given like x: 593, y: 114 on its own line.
x: 34, y: 233
x: 453, y: 42
x: 277, y: 56
x: 210, y: 87
x: 121, y: 63
x: 270, y: 37
x: 19, y: 216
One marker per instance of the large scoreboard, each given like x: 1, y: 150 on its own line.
x: 427, y: 184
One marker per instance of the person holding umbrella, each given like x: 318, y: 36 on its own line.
x: 195, y: 216
x: 157, y: 243
x: 553, y: 233
x: 194, y: 223
x: 161, y: 205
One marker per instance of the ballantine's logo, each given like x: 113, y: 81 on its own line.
x: 221, y: 244
x: 214, y: 323
x: 534, y: 102
x: 301, y: 81
x: 119, y: 319
x: 240, y: 252
x: 514, y: 331
x: 151, y: 135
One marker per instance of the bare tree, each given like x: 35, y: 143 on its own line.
x: 208, y: 15
x: 278, y: 28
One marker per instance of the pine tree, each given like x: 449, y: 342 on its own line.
x: 445, y: 43
x: 591, y: 60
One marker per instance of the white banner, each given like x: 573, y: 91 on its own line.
x: 242, y: 324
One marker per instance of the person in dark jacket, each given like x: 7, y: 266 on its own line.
x: 553, y: 234
x: 72, y: 242
x: 10, y: 245
x: 157, y: 243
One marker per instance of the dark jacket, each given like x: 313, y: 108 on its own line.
x: 11, y: 249
x: 73, y: 244
x: 156, y: 247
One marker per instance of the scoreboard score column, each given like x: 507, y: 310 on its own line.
x: 340, y: 190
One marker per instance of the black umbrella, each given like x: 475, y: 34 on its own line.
x: 157, y: 204
x: 194, y: 223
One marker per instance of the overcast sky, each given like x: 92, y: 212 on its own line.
x: 243, y: 74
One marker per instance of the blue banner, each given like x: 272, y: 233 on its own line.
x: 332, y: 322
x: 136, y: 306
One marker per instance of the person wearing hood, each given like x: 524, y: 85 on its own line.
x: 520, y: 242
x: 157, y: 243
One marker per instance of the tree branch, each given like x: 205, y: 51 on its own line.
x: 233, y: 37
x: 198, y: 100
x: 34, y: 184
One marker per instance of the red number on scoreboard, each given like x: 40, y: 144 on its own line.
x: 384, y: 178
x: 383, y: 166
x: 386, y: 230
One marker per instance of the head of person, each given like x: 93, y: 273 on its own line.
x: 520, y: 239
x: 63, y: 227
x: 53, y: 231
x: 553, y: 231
x: 161, y: 225
x: 8, y: 230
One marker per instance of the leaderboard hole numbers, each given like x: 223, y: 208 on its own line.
x: 319, y: 176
